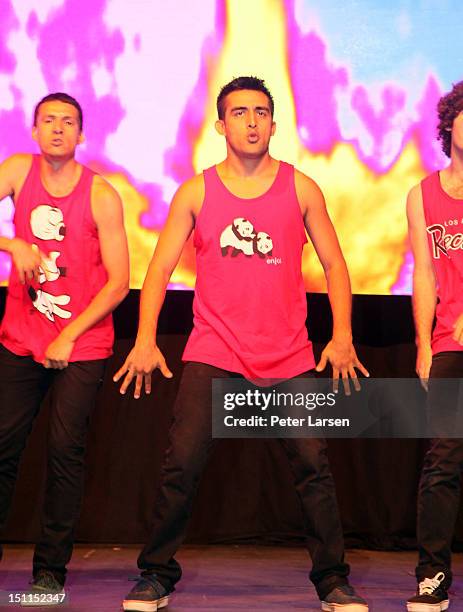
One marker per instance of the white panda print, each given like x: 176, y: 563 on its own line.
x: 241, y: 237
x: 263, y: 245
x: 238, y: 236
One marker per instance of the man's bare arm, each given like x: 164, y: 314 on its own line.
x: 424, y: 297
x: 339, y: 351
x: 108, y: 215
x: 13, y: 172
x: 145, y: 355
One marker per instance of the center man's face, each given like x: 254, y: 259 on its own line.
x: 247, y: 124
x: 57, y: 129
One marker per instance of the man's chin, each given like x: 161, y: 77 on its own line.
x: 57, y: 154
x: 254, y: 154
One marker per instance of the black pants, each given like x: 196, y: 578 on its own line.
x: 23, y: 385
x: 190, y: 441
x: 439, y: 490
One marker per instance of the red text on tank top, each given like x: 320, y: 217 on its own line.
x: 444, y: 225
x: 63, y: 228
x: 250, y: 304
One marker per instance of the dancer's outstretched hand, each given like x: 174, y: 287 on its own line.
x: 140, y: 363
x: 343, y: 360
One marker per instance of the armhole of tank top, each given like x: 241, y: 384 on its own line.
x: 291, y: 171
x: 207, y: 180
x: 423, y: 199
x: 428, y: 184
x: 29, y: 176
x: 86, y: 183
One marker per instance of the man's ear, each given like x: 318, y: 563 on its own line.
x: 34, y: 133
x: 220, y: 126
x: 274, y: 127
x: 81, y: 138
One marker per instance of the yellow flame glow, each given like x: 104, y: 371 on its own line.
x: 255, y: 44
x: 142, y: 241
x: 368, y: 210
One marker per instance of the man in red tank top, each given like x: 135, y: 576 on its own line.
x: 435, y: 219
x: 70, y: 270
x: 249, y: 215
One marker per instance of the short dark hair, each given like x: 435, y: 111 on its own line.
x: 238, y: 84
x: 449, y: 107
x: 61, y: 97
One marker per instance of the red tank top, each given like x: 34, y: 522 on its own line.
x: 444, y: 224
x: 63, y: 228
x: 250, y: 304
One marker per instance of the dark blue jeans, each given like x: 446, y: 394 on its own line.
x: 190, y: 442
x: 439, y: 489
x: 23, y: 385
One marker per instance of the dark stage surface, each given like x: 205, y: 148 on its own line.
x: 246, y: 494
x: 225, y: 578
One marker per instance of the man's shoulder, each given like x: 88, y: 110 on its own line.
x: 99, y: 181
x: 193, y: 184
x: 191, y: 192
x: 13, y: 173
x: 415, y: 195
x: 105, y: 200
x: 415, y: 204
x: 18, y: 164
x: 304, y: 180
x: 101, y: 188
x: 415, y: 190
x: 307, y: 190
x: 426, y: 181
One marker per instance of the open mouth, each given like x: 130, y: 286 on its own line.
x: 253, y: 137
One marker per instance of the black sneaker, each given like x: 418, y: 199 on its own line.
x: 344, y: 597
x: 46, y: 590
x: 430, y: 595
x: 148, y: 595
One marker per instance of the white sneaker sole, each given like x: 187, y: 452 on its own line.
x: 136, y: 605
x: 353, y: 607
x: 422, y: 607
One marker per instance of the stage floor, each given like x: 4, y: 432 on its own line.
x: 222, y: 578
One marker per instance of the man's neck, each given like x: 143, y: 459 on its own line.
x: 58, y: 170
x: 59, y: 176
x: 238, y: 167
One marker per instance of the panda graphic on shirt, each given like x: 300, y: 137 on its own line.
x: 241, y: 237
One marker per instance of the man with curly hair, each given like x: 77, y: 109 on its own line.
x: 435, y: 220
